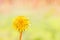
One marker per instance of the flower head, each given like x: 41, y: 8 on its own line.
x: 21, y: 23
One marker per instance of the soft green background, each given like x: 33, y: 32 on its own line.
x: 42, y: 27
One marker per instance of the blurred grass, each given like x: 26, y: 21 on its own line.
x: 45, y: 28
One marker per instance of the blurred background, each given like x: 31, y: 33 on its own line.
x: 44, y: 17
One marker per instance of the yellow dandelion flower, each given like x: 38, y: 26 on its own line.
x: 21, y: 23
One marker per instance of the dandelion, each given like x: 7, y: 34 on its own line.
x: 21, y: 23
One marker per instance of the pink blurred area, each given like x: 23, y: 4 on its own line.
x: 28, y: 2
x: 7, y: 5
